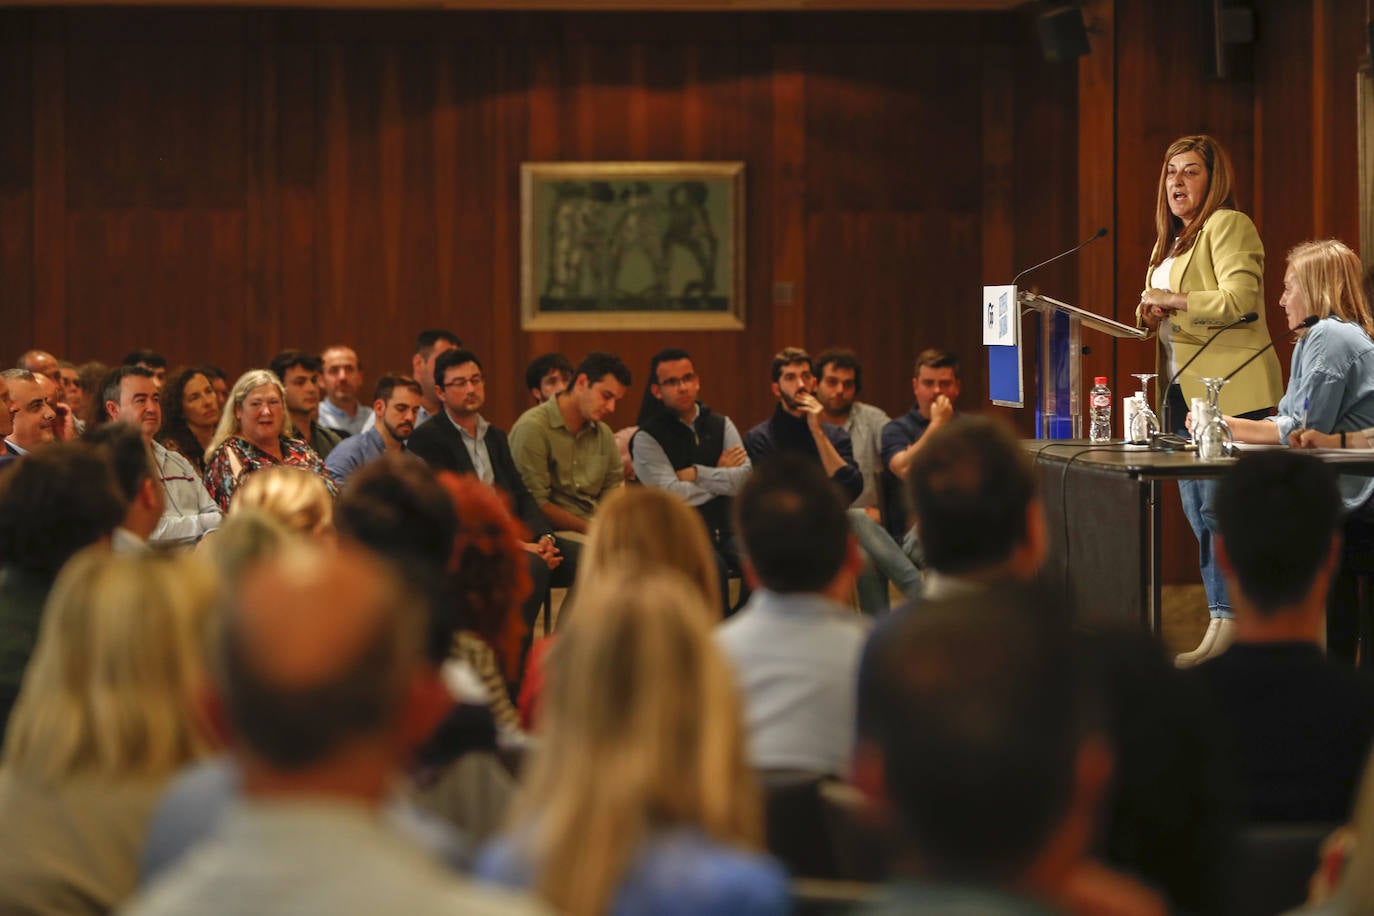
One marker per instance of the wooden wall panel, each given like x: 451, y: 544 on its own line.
x: 219, y: 184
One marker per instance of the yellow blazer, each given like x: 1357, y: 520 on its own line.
x: 1223, y: 275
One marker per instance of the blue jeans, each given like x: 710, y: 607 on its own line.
x: 1198, y: 497
x: 884, y: 560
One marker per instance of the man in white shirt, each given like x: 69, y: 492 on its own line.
x: 131, y: 394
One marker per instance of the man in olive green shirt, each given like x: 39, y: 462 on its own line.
x: 566, y: 455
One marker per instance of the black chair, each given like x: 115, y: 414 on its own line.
x: 1271, y: 865
x: 795, y: 822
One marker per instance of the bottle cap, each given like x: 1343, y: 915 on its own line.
x: 1100, y: 380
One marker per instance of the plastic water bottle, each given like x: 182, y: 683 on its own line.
x: 1100, y: 411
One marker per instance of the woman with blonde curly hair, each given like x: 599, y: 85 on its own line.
x: 635, y: 527
x: 255, y: 432
x: 107, y: 713
x: 639, y: 798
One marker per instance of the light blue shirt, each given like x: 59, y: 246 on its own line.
x: 354, y: 452
x: 796, y: 660
x: 1333, y: 375
x: 334, y: 417
x: 653, y: 469
x: 477, y: 448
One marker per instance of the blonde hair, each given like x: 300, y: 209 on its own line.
x: 295, y: 497
x: 641, y: 732
x: 1219, y: 195
x: 1330, y: 277
x: 644, y: 527
x: 247, y: 383
x: 111, y: 689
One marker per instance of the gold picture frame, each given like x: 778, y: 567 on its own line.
x: 632, y: 246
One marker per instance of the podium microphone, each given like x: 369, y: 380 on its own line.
x: 1063, y: 254
x: 1247, y: 318
x: 1307, y: 322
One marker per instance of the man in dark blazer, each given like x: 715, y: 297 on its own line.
x: 459, y: 439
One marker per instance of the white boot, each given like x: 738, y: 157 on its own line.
x: 1189, y: 659
x: 1226, y: 634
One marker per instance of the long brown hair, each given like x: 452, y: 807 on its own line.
x: 641, y: 732
x: 1220, y: 178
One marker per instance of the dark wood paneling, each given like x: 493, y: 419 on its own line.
x: 219, y: 184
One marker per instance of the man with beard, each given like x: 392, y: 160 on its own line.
x: 461, y: 440
x: 797, y: 427
x: 395, y: 408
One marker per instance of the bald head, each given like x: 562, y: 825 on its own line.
x: 39, y: 361
x: 319, y: 647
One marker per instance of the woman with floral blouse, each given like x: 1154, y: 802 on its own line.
x: 255, y: 432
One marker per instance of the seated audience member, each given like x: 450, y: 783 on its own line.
x: 342, y: 379
x: 428, y: 346
x: 107, y: 714
x: 935, y: 385
x: 300, y: 377
x: 295, y: 497
x: 548, y: 375
x: 638, y: 798
x: 65, y: 425
x: 462, y: 441
x: 1299, y: 726
x: 692, y: 453
x: 839, y: 381
x: 637, y: 527
x: 321, y: 681
x: 975, y: 745
x: 72, y: 392
x: 399, y: 509
x: 151, y: 360
x: 795, y: 646
x: 977, y: 508
x: 33, y: 420
x: 490, y: 580
x: 796, y: 427
x: 52, y: 504
x: 566, y: 455
x: 255, y: 432
x: 136, y: 473
x: 1169, y: 811
x: 218, y: 381
x: 190, y: 413
x: 395, y: 407
x: 131, y: 395
x: 39, y: 362
x: 1343, y: 884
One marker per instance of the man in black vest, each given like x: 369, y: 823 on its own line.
x: 684, y: 448
x: 462, y: 441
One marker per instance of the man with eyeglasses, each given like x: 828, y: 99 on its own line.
x: 697, y: 455
x: 461, y: 440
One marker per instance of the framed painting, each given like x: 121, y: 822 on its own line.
x: 632, y: 246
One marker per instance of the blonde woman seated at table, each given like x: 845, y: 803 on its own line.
x: 1331, y: 385
x: 107, y: 714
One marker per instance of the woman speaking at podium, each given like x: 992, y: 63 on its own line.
x: 1205, y: 272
